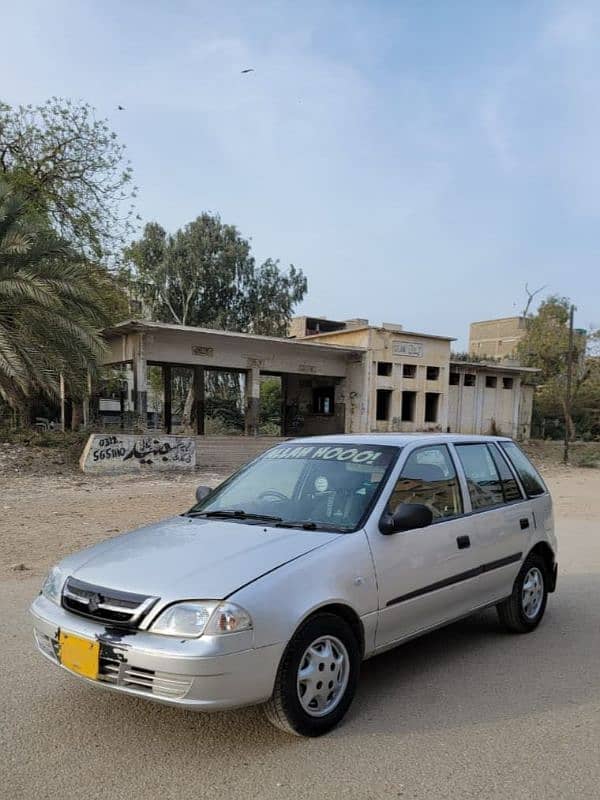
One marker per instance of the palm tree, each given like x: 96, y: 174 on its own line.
x: 52, y: 305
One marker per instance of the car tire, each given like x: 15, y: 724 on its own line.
x: 522, y: 612
x: 317, y: 677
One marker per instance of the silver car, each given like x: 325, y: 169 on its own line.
x: 318, y: 554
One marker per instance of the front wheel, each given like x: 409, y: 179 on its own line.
x: 317, y: 677
x: 524, y: 609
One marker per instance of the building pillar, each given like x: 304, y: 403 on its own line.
x: 167, y: 375
x: 284, y: 395
x: 198, y: 405
x: 479, y: 402
x: 140, y: 377
x: 517, y: 400
x: 252, y: 401
x: 444, y: 399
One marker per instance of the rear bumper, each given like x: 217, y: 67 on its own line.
x: 206, y: 674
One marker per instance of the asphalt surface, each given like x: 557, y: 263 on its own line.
x: 465, y: 712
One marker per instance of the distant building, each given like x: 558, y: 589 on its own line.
x: 414, y: 385
x: 336, y: 377
x: 490, y: 398
x: 496, y: 338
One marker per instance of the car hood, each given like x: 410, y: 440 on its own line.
x: 185, y: 558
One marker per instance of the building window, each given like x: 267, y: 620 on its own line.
x: 383, y: 404
x: 455, y: 379
x: 409, y: 370
x: 384, y: 368
x: 490, y: 381
x: 507, y: 383
x: 323, y: 400
x: 433, y: 373
x: 432, y: 402
x: 409, y: 403
x: 469, y: 379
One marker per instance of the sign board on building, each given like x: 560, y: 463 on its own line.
x: 400, y: 348
x: 124, y: 452
x: 198, y: 350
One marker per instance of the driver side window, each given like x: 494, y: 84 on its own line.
x: 429, y: 478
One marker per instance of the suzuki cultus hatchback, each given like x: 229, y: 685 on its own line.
x: 318, y: 554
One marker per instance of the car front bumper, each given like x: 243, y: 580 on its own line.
x: 206, y: 674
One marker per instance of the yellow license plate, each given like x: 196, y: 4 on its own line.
x: 79, y: 655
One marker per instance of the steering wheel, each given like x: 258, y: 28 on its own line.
x: 272, y: 493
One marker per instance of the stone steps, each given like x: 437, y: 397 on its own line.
x: 227, y: 453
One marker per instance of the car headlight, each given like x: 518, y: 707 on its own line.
x: 195, y: 617
x: 52, y: 585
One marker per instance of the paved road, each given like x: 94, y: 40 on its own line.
x: 467, y: 712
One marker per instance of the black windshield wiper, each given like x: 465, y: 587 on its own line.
x: 309, y: 525
x: 234, y: 514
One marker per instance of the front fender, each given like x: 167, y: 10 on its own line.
x: 340, y: 573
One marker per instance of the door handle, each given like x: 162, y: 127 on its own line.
x: 524, y: 523
x: 462, y: 542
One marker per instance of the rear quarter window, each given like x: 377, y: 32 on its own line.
x: 530, y: 477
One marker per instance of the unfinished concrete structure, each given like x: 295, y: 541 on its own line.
x: 315, y: 379
x: 496, y: 338
x: 348, y: 377
x: 404, y: 375
x: 490, y: 398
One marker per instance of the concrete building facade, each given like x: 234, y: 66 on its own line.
x: 347, y: 377
x: 404, y: 377
x: 490, y: 398
x: 496, y: 338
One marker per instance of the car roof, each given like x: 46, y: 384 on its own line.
x: 397, y: 439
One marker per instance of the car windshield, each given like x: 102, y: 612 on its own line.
x: 329, y: 486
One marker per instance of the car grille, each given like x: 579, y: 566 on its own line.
x: 105, y: 605
x: 115, y: 671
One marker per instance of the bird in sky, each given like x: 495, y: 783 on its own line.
x: 245, y: 71
x: 120, y: 108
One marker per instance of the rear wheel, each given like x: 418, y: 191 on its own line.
x: 524, y: 609
x: 317, y: 677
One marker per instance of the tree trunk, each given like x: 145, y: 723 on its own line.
x: 76, y: 415
x: 569, y: 426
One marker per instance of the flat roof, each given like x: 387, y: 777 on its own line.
x: 399, y: 332
x: 492, y: 367
x: 497, y: 319
x: 146, y: 326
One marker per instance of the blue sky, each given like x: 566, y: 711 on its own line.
x: 418, y: 160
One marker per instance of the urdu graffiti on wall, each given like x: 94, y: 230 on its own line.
x: 129, y: 453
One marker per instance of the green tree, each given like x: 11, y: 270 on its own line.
x: 68, y: 165
x: 546, y: 346
x: 204, y: 275
x: 52, y: 304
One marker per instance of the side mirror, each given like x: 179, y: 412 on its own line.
x: 202, y: 492
x: 406, y: 517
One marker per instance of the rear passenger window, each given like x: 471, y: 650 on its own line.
x: 528, y: 474
x: 482, y: 476
x: 429, y: 477
x: 510, y: 487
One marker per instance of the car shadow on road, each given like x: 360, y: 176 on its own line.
x: 474, y: 672
x: 469, y: 673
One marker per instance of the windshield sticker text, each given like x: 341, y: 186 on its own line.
x: 354, y: 455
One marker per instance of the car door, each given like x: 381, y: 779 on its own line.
x: 501, y: 515
x: 425, y: 576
